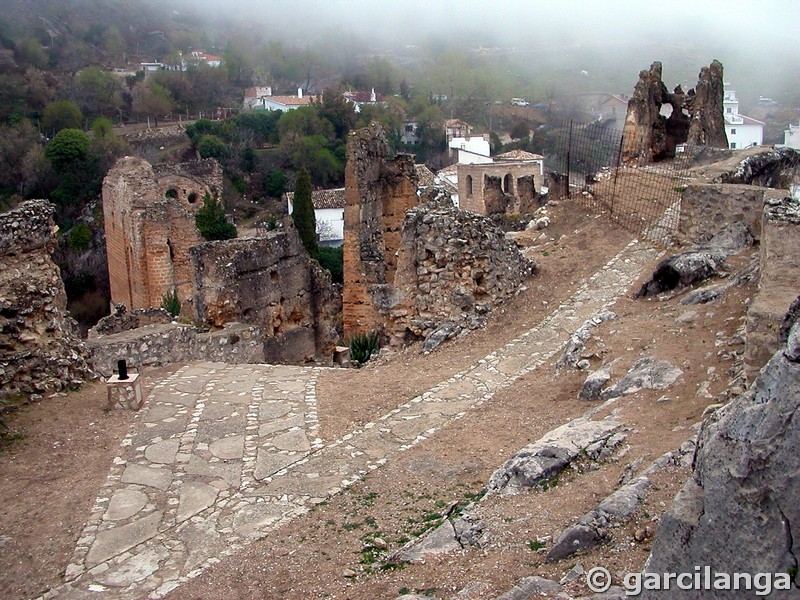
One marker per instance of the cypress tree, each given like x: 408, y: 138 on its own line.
x: 303, y: 214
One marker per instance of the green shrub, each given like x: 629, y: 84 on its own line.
x: 79, y: 238
x: 332, y: 259
x: 171, y: 303
x: 363, y: 346
x: 212, y: 223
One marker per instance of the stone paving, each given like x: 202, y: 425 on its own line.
x: 225, y: 454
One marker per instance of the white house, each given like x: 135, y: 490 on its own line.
x: 285, y: 103
x: 791, y: 137
x: 210, y: 59
x: 329, y: 214
x: 410, y: 133
x: 254, y: 97
x: 742, y: 131
x: 470, y: 150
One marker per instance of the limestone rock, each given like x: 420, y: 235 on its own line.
x: 550, y: 454
x: 646, y: 373
x: 530, y: 587
x: 740, y: 507
x: 707, y: 125
x: 591, y: 388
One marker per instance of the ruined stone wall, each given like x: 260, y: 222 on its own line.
x: 378, y: 192
x: 453, y: 267
x: 149, y: 222
x: 272, y: 283
x: 40, y: 350
x: 707, y: 208
x: 779, y: 256
x: 169, y: 343
x: 518, y: 180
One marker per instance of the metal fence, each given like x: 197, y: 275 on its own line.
x: 586, y: 164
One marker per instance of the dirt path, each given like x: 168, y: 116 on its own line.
x: 322, y: 554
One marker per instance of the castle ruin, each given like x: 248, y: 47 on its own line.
x: 149, y: 214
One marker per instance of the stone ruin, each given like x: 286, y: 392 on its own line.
x: 40, y: 350
x: 416, y: 267
x: 149, y: 215
x: 696, y: 118
x: 262, y: 298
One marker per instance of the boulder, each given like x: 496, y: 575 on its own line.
x: 739, y: 510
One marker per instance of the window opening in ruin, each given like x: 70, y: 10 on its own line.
x: 469, y: 185
x: 507, y: 183
x: 171, y: 193
x: 192, y: 197
x: 171, y: 251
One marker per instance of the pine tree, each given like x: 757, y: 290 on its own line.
x: 211, y: 221
x: 303, y: 214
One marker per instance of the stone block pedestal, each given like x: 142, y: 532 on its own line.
x: 124, y: 393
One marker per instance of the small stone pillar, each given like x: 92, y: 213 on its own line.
x: 124, y: 393
x: 341, y: 356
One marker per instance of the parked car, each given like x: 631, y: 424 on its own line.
x: 519, y: 102
x: 763, y: 101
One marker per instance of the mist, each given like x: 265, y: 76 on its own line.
x: 612, y: 41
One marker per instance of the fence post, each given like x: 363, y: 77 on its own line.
x: 616, y: 172
x: 569, y: 150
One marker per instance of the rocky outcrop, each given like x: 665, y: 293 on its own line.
x: 548, y: 456
x: 777, y: 168
x: 739, y: 511
x: 696, y: 116
x: 40, y: 350
x: 687, y: 268
x: 707, y: 124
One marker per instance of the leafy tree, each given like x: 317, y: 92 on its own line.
x: 311, y: 155
x: 303, y: 214
x: 210, y: 146
x: 79, y: 238
x: 211, y: 221
x: 68, y: 150
x: 275, y: 183
x: 97, y: 92
x: 332, y: 259
x: 151, y: 99
x: 520, y: 130
x: 30, y: 52
x: 102, y: 127
x: 61, y: 114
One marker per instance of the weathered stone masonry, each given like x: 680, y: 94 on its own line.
x: 270, y: 282
x: 409, y: 267
x: 40, y: 350
x: 378, y: 193
x: 149, y: 224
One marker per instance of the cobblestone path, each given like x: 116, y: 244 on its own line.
x: 224, y: 454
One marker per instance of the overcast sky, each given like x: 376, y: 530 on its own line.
x: 754, y: 39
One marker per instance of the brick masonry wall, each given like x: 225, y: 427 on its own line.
x: 521, y: 178
x: 378, y: 191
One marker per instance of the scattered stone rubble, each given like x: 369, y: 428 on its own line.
x: 40, y: 351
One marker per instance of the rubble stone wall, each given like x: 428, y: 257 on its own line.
x: 779, y: 255
x: 167, y: 343
x: 707, y: 208
x: 40, y: 350
x: 453, y: 266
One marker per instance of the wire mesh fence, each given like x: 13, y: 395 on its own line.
x: 587, y: 166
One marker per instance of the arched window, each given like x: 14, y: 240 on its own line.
x: 507, y: 181
x: 469, y: 185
